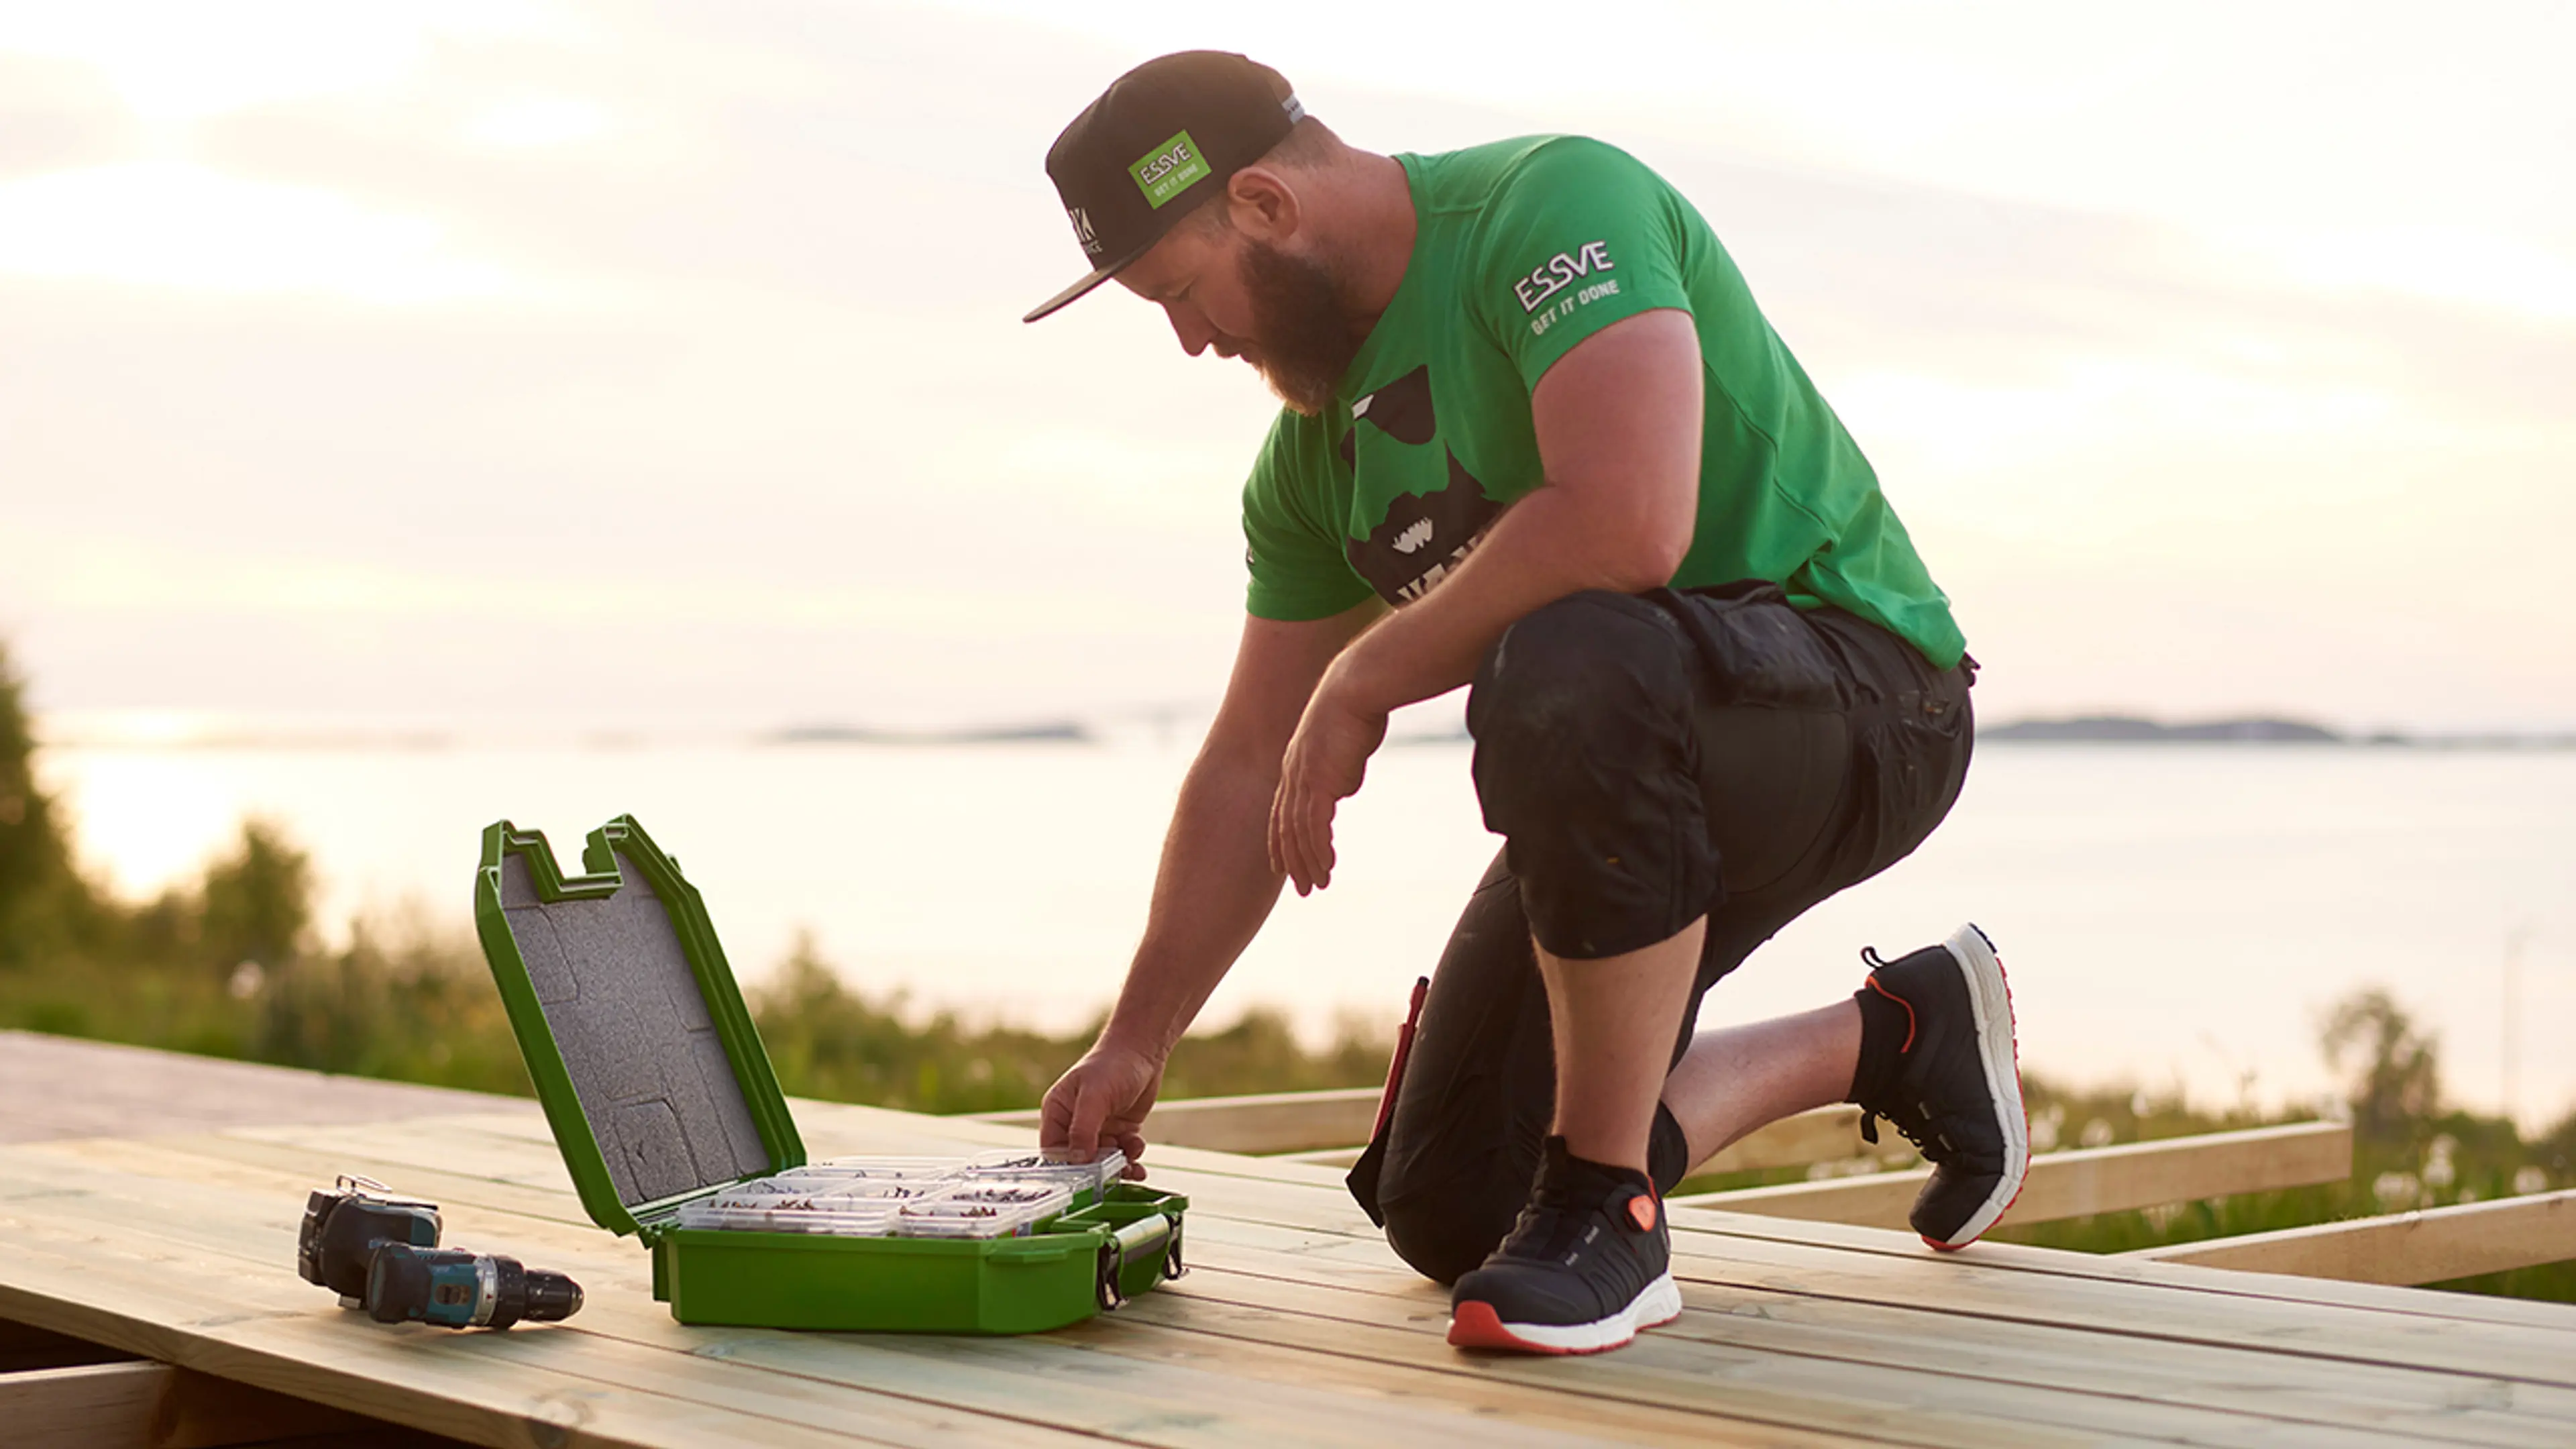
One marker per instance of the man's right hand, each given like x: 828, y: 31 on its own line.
x: 1102, y: 1100
x: 1215, y: 887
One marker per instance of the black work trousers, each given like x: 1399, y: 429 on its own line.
x: 1649, y: 759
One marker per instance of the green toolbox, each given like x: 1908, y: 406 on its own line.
x: 672, y: 1123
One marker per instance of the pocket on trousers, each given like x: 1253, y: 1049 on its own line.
x: 1912, y: 759
x: 1756, y: 648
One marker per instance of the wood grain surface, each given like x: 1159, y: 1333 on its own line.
x: 1296, y: 1325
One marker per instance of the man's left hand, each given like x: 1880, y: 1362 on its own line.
x: 1324, y: 764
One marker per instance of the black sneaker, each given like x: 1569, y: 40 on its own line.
x: 1954, y: 1088
x: 1587, y: 1265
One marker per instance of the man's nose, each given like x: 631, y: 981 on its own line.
x: 1190, y: 327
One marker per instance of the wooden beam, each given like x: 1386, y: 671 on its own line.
x: 2075, y: 1184
x: 1826, y: 1134
x: 149, y: 1405
x: 1328, y: 1128
x: 1823, y: 1135
x: 1267, y: 1122
x: 1321, y: 1156
x: 2431, y: 1246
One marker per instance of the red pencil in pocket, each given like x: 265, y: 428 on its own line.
x: 1403, y: 1049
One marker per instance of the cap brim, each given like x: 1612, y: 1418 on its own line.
x: 1099, y: 274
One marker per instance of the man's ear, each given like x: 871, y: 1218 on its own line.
x: 1263, y: 205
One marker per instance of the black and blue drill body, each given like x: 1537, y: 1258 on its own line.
x: 381, y: 1253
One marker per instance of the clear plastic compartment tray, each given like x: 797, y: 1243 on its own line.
x: 1088, y: 1180
x: 899, y: 1169
x: 837, y: 1189
x: 784, y: 1214
x: 999, y: 1194
x: 982, y: 1210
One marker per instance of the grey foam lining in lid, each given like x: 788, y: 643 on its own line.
x: 627, y: 1015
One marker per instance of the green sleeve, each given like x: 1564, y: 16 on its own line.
x: 1294, y: 551
x: 1581, y: 235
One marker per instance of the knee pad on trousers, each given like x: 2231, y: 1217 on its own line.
x: 1578, y: 676
x: 1587, y: 763
x: 1443, y: 1237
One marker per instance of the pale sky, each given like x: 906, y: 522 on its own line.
x: 660, y: 366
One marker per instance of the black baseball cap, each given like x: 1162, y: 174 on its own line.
x: 1163, y: 138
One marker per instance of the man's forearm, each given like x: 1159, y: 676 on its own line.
x: 1212, y: 893
x: 1544, y: 548
x: 1618, y: 423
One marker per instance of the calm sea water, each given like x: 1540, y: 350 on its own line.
x: 2169, y: 914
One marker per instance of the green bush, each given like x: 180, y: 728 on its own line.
x: 45, y: 906
x: 826, y: 1040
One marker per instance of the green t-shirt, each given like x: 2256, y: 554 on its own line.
x: 1523, y: 249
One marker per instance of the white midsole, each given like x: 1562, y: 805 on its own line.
x: 1990, y: 1001
x: 1659, y: 1302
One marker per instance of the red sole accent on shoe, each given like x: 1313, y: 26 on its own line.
x: 1477, y: 1325
x: 2025, y: 1114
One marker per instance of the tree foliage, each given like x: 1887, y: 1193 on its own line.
x: 40, y: 895
x: 2396, y: 1076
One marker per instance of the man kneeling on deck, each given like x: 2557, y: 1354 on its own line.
x: 1539, y: 440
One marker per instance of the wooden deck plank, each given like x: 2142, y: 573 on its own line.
x: 1300, y: 1326
x: 1989, y: 1267
x: 1206, y: 1225
x: 598, y: 1261
x: 2418, y: 1247
x: 1210, y: 1411
x: 2546, y: 1317
x: 194, y: 1289
x: 1296, y: 1196
x: 53, y: 1087
x: 2418, y: 1404
x: 2017, y: 1281
x: 471, y: 1396
x: 1896, y: 1268
x: 1144, y: 1395
x: 1184, y: 1166
x: 1693, y: 1388
x: 2081, y: 1182
x: 1761, y: 1371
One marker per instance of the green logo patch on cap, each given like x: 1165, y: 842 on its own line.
x: 1168, y: 169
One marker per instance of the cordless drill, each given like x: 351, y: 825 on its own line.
x: 381, y: 1253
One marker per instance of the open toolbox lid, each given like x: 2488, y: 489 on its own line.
x: 652, y: 1075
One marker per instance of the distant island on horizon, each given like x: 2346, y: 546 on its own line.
x: 2122, y: 729
x: 2087, y: 729
x: 1068, y: 732
x: 1171, y: 726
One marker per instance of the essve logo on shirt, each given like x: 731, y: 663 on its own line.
x: 1560, y: 272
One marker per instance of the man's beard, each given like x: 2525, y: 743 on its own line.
x: 1306, y: 338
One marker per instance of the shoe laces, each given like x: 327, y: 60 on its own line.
x: 1546, y: 1226
x: 1926, y: 1139
x: 1920, y: 1132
